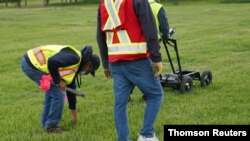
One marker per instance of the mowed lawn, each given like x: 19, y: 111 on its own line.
x: 209, y: 35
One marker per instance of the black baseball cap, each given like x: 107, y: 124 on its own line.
x: 95, y: 60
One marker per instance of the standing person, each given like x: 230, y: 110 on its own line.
x: 63, y: 63
x: 160, y: 19
x: 130, y: 52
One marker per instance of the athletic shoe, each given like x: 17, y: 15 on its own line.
x: 142, y: 138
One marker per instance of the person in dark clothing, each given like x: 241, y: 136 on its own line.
x: 130, y: 54
x: 160, y: 19
x: 63, y: 63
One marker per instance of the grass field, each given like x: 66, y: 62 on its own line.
x: 210, y: 36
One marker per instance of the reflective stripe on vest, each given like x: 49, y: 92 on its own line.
x: 133, y: 48
x: 125, y: 46
x: 68, y: 71
x: 113, y: 9
x: 38, y: 53
x: 122, y: 35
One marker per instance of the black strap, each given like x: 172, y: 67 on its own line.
x: 79, y: 80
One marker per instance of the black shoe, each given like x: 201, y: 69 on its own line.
x: 54, y: 129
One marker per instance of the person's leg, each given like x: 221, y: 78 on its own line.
x: 46, y: 109
x: 36, y: 75
x: 55, y: 103
x: 122, y: 89
x: 150, y: 86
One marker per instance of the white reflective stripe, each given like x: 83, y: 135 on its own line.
x: 108, y: 25
x: 123, y: 36
x: 113, y: 9
x: 118, y: 4
x: 39, y: 56
x: 109, y: 36
x: 109, y: 21
x: 65, y: 72
x: 127, y: 48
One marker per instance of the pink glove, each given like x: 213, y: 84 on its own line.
x: 45, y: 83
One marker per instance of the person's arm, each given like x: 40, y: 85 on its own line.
x: 72, y: 103
x: 164, y: 25
x: 101, y: 40
x: 146, y: 18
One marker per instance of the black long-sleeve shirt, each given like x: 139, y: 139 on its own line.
x: 146, y: 18
x: 61, y: 59
x: 163, y: 23
x: 64, y: 58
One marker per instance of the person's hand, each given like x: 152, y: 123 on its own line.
x: 157, y: 68
x: 107, y: 73
x: 62, y: 85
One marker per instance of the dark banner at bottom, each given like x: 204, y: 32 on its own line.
x: 198, y: 131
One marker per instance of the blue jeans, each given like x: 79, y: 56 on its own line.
x: 53, y: 99
x: 126, y: 76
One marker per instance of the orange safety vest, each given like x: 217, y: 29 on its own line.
x: 39, y: 58
x: 124, y: 37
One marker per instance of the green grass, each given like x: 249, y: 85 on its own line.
x: 210, y: 36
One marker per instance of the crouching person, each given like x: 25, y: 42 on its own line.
x: 63, y: 63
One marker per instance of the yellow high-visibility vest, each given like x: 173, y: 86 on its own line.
x: 39, y: 58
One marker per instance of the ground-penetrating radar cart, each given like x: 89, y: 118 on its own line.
x: 182, y: 79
